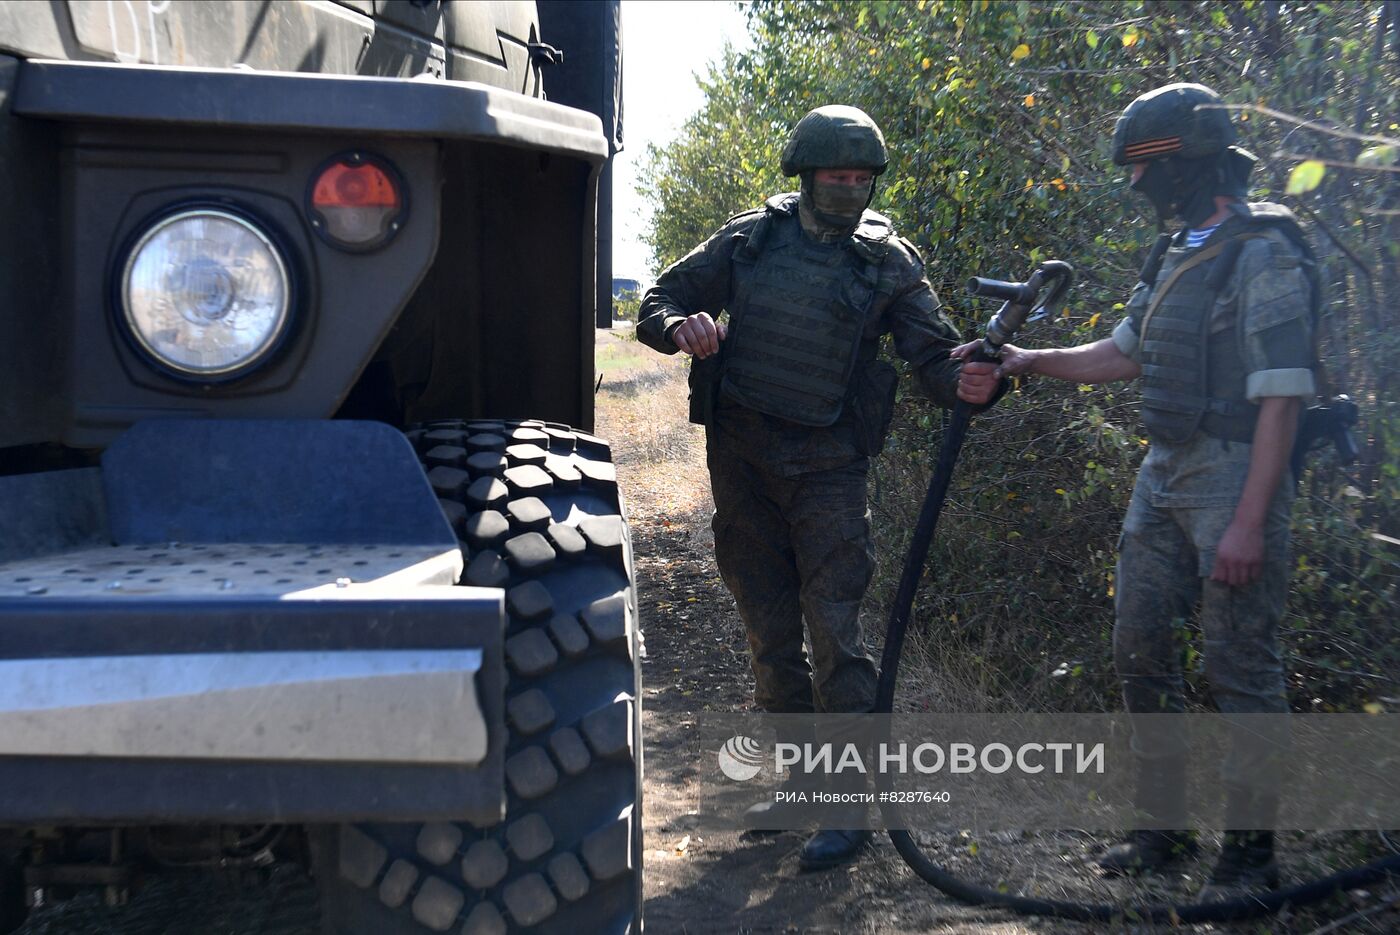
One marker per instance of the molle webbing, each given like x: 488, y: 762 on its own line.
x: 796, y: 324
x: 1193, y: 379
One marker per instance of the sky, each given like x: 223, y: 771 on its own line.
x: 665, y: 45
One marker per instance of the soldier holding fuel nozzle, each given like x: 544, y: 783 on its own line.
x: 1221, y: 333
x: 795, y: 402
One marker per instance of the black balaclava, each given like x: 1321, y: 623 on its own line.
x: 1186, y: 188
x: 830, y: 212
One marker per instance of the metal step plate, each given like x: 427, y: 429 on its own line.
x: 178, y: 569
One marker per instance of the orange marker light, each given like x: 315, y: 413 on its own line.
x: 356, y: 202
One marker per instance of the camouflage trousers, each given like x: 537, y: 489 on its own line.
x: 793, y: 547
x: 1166, y: 556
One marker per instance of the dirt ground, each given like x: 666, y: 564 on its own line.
x: 697, y: 660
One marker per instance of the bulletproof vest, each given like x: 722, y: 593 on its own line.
x: 797, y: 319
x: 1192, y: 378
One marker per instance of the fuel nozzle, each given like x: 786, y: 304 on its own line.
x: 1022, y: 300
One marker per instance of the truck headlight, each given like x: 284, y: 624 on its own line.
x: 206, y: 293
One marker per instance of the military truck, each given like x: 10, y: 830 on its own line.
x: 307, y: 552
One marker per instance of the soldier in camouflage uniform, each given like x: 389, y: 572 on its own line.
x: 795, y: 402
x: 1222, y: 337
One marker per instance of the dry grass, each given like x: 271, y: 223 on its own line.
x: 642, y: 409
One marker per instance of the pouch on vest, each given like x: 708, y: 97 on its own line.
x: 704, y: 388
x: 873, y: 402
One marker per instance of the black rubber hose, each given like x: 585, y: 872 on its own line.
x: 1242, y: 908
x: 914, y: 559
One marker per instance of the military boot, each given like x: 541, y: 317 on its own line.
x: 827, y: 849
x: 1146, y: 852
x: 1246, y: 865
x: 1161, y: 796
x: 830, y: 847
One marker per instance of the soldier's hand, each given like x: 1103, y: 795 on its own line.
x: 1014, y: 360
x: 977, y: 382
x: 1239, y: 558
x: 699, y: 335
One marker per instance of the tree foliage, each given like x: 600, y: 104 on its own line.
x: 999, y: 117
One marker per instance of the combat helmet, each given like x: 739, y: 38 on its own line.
x: 835, y: 136
x: 1169, y: 122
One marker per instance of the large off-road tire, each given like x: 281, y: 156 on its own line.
x: 537, y: 509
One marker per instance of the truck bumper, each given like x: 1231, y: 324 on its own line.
x: 309, y: 710
x: 340, y: 677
